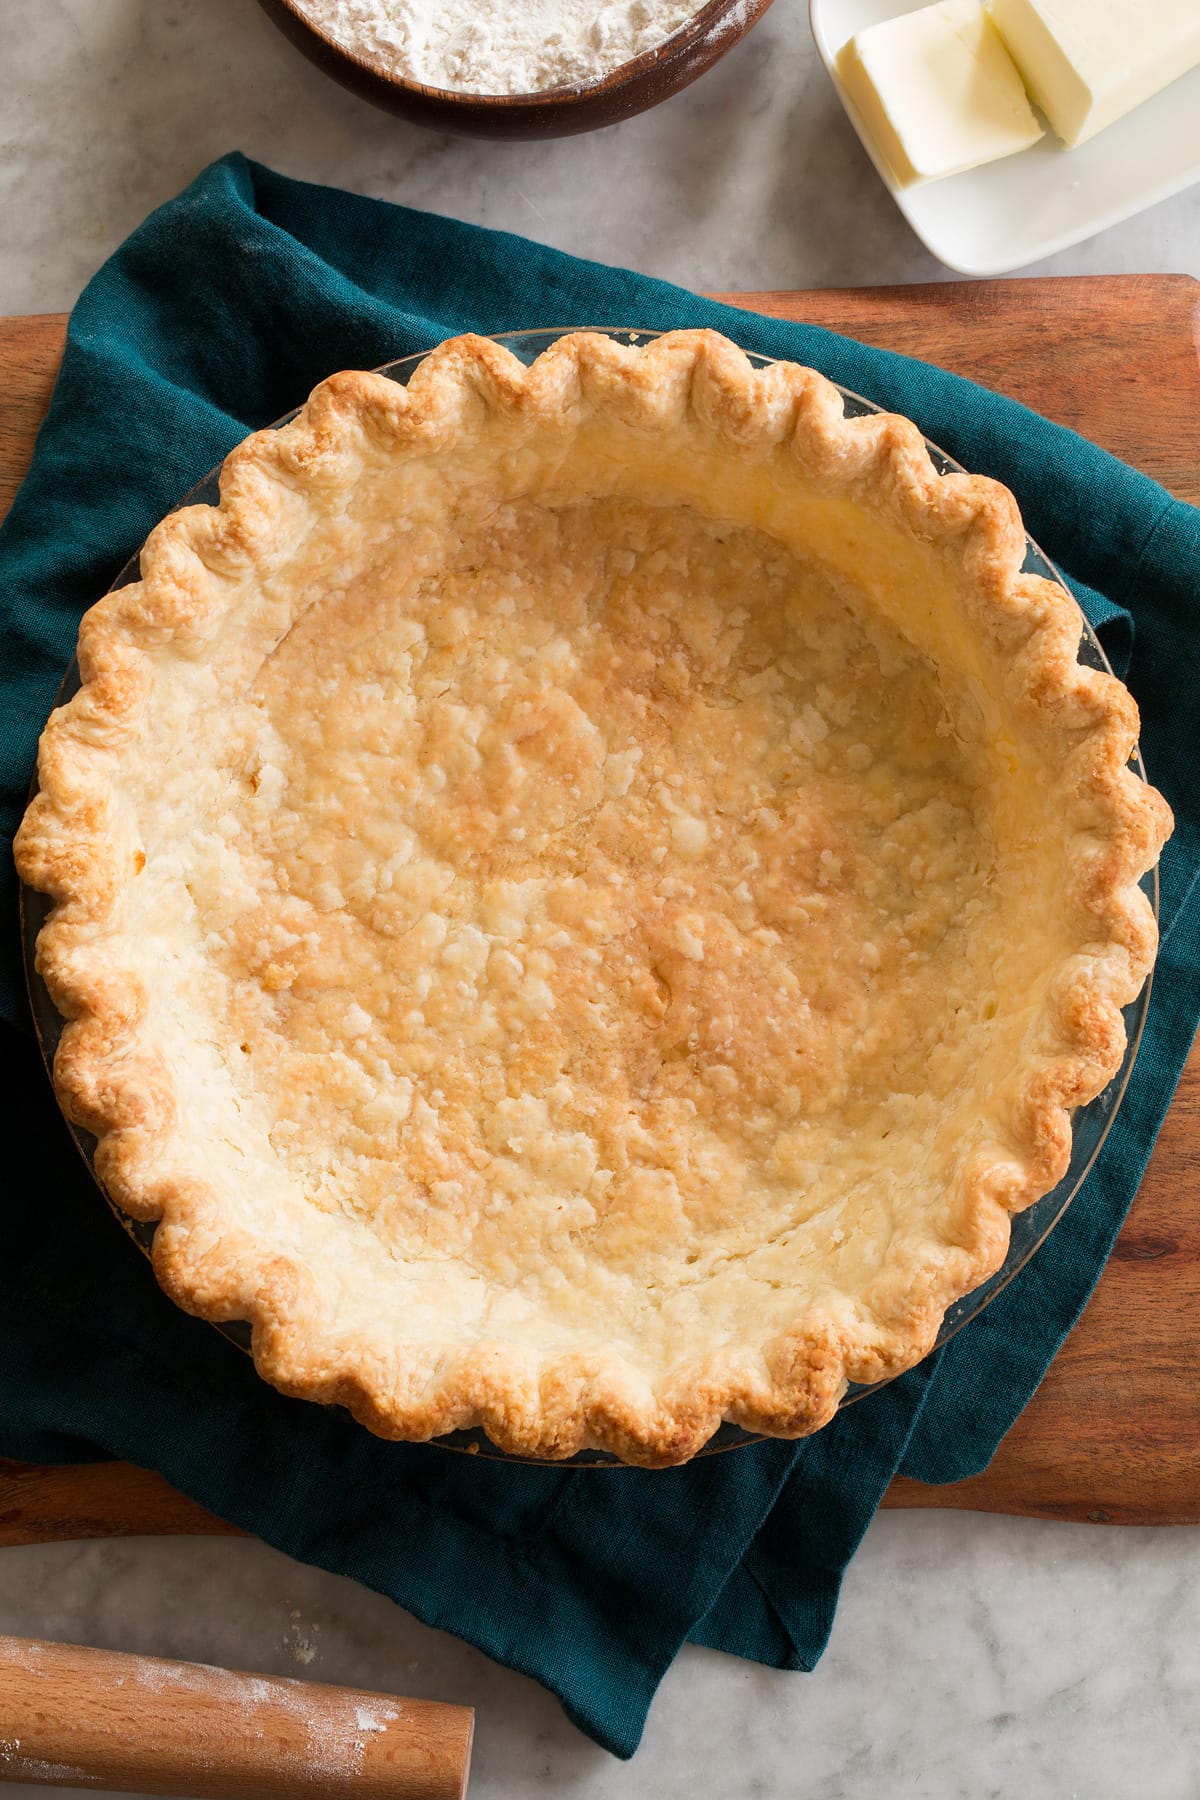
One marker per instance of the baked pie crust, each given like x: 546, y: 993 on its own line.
x: 586, y: 895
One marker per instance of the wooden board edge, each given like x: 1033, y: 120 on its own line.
x: 64, y: 1503
x: 1030, y: 1499
x: 70, y: 1503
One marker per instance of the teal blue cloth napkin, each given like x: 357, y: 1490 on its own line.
x: 216, y: 316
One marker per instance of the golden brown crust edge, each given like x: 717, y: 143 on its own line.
x: 109, y: 1080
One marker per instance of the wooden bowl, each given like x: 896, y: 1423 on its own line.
x: 555, y: 112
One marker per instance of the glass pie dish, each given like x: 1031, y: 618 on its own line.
x: 1028, y: 1228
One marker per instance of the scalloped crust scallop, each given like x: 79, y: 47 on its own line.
x: 586, y: 895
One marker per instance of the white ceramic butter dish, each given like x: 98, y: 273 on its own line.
x: 1008, y: 214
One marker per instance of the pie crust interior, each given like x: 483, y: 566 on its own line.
x: 587, y: 894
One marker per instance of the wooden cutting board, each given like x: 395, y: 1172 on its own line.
x: 1113, y: 1435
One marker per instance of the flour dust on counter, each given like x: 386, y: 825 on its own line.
x: 499, y: 46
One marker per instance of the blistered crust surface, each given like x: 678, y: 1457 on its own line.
x: 587, y: 895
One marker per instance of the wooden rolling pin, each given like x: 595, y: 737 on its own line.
x: 71, y: 1717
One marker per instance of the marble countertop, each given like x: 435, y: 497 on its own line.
x: 750, y: 179
x: 972, y: 1656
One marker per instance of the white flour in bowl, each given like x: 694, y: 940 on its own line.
x: 499, y: 46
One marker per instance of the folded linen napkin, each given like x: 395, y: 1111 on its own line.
x: 215, y: 317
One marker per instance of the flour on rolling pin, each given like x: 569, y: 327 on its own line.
x: 97, y: 1718
x: 15, y: 1767
x: 335, y: 1738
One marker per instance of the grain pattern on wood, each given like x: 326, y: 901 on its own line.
x: 30, y: 352
x: 1113, y: 1435
x: 1112, y: 357
x: 96, y: 1500
x: 101, y: 1719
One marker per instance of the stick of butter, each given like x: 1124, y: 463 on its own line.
x: 938, y: 91
x: 1089, y: 62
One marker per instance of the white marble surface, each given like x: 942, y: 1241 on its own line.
x: 752, y: 178
x: 973, y: 1657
